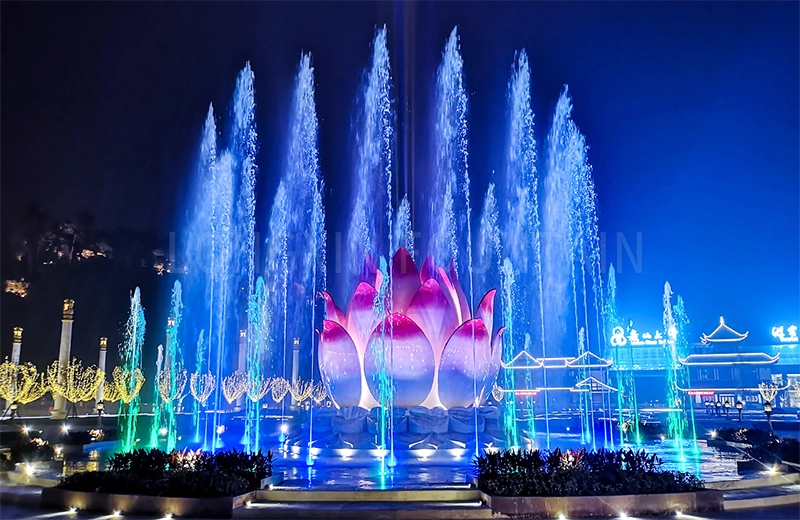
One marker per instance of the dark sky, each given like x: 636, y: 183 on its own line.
x: 690, y: 108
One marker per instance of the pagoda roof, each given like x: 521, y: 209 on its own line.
x: 722, y: 334
x: 742, y: 358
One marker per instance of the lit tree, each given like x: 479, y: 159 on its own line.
x: 21, y: 384
x: 301, y: 390
x: 111, y: 393
x: 319, y: 393
x: 169, y: 390
x: 127, y: 383
x: 73, y: 382
x: 280, y: 387
x: 201, y: 386
x: 258, y: 388
x: 768, y: 391
x: 234, y: 386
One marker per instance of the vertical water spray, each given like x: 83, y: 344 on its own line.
x: 131, y: 357
x: 682, y: 376
x: 621, y: 352
x: 370, y: 231
x: 174, y: 360
x: 450, y: 227
x: 199, y: 368
x: 221, y: 290
x: 521, y: 234
x: 676, y: 421
x: 244, y: 146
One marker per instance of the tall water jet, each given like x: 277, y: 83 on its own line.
x: 557, y: 230
x: 370, y: 231
x: 682, y: 350
x: 201, y: 254
x: 620, y: 351
x: 302, y: 230
x: 131, y: 357
x: 259, y: 320
x: 675, y: 418
x: 221, y: 291
x: 450, y: 227
x: 174, y: 360
x: 244, y: 146
x: 519, y: 216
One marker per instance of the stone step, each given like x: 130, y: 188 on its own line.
x: 464, y: 493
x: 365, y: 510
x: 762, y: 497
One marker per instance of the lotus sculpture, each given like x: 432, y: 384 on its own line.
x: 418, y: 329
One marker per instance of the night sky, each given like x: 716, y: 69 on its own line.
x: 690, y: 109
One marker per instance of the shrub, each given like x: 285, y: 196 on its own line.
x: 34, y: 450
x: 578, y: 473
x: 153, y: 461
x: 5, y: 463
x: 195, y: 484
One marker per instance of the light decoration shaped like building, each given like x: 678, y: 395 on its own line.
x: 722, y: 334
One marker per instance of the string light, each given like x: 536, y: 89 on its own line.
x: 301, y: 390
x: 21, y: 384
x: 127, y: 383
x: 319, y: 393
x: 111, y: 393
x: 258, y: 388
x: 234, y: 386
x: 768, y: 391
x: 201, y: 386
x: 171, y: 385
x: 73, y: 382
x: 280, y: 387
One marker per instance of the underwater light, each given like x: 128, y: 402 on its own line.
x: 116, y: 512
x: 623, y: 515
x: 679, y: 514
x: 72, y: 510
x: 561, y: 516
x: 713, y: 434
x: 284, y: 429
x: 163, y: 431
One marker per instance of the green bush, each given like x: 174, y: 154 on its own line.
x: 578, y: 473
x: 34, y: 450
x: 141, y: 461
x: 195, y: 484
x: 765, y: 446
x: 5, y: 463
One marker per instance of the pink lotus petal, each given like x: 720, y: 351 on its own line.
x: 462, y: 298
x: 428, y: 270
x: 431, y: 310
x: 361, y: 316
x: 332, y: 312
x: 400, y: 345
x: 450, y: 292
x: 497, y: 353
x: 405, y: 280
x: 486, y: 310
x: 466, y: 357
x: 339, y: 364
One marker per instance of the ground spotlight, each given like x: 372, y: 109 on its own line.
x: 116, y: 512
x: 679, y: 514
x: 561, y: 516
x: 623, y: 515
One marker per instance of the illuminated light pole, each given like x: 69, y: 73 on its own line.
x: 739, y: 408
x: 768, y: 413
x: 17, y: 345
x: 65, y: 349
x: 719, y: 407
x: 101, y: 364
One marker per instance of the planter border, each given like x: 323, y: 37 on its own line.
x: 608, y: 506
x: 218, y: 507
